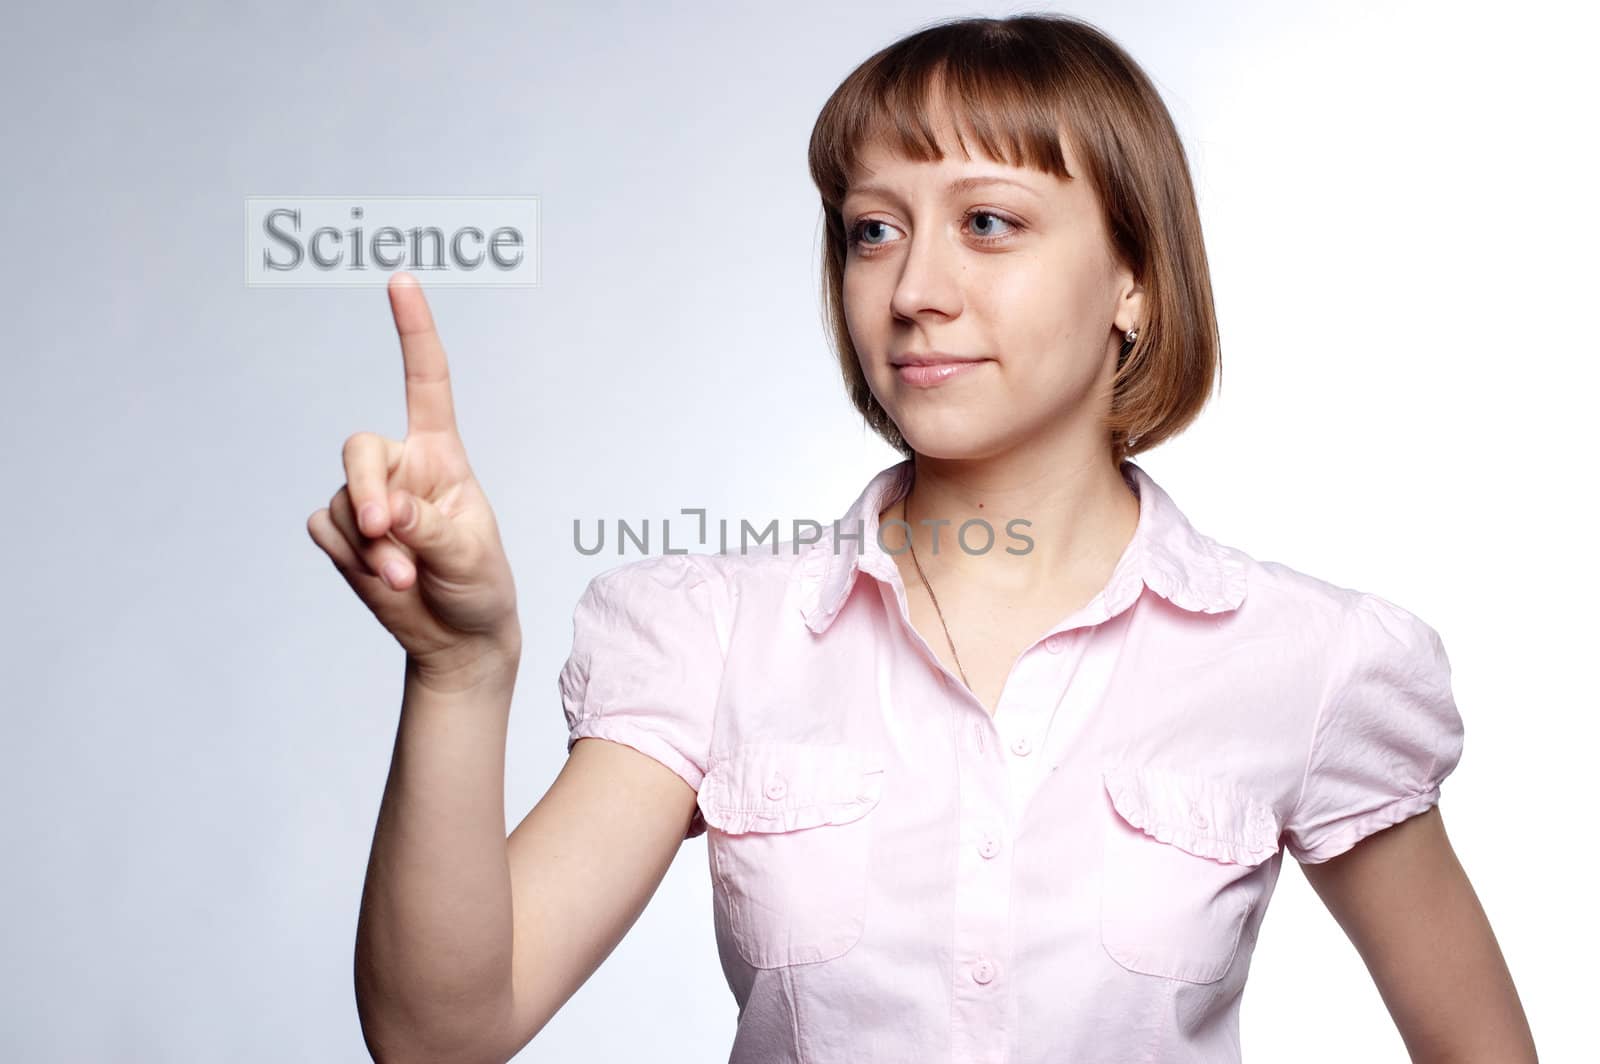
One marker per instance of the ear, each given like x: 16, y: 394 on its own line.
x: 1130, y: 302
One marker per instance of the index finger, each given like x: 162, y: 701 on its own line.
x: 428, y: 404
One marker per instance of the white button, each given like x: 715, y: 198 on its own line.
x: 1022, y: 747
x: 989, y: 847
x: 1056, y: 643
x: 776, y: 788
x: 982, y: 972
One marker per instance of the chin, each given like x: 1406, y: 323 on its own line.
x: 951, y: 437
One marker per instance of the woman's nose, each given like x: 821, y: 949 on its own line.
x: 930, y: 277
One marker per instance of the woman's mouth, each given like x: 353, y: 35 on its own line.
x: 931, y: 374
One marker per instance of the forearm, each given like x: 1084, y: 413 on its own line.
x: 433, y: 954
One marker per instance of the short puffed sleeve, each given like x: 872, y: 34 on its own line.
x: 1387, y: 732
x: 647, y: 662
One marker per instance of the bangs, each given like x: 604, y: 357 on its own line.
x: 1000, y: 100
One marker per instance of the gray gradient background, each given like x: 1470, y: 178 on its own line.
x: 198, y: 713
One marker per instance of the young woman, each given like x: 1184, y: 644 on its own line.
x: 1002, y: 766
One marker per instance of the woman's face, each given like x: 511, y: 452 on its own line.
x: 1006, y: 266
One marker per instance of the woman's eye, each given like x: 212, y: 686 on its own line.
x: 986, y: 226
x: 858, y: 235
x: 987, y: 231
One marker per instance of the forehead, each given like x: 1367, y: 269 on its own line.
x: 881, y: 158
x: 880, y: 168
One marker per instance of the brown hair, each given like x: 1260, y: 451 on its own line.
x: 1017, y: 85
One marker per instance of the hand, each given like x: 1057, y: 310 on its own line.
x: 411, y: 530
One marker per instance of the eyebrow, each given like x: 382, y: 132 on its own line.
x: 959, y: 185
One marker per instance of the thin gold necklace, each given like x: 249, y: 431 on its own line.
x: 912, y: 540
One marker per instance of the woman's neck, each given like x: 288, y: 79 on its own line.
x: 1079, y: 518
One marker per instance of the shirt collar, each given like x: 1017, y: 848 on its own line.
x: 1166, y: 554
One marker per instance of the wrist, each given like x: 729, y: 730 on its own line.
x: 481, y: 663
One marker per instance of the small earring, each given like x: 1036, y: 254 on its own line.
x: 1127, y: 344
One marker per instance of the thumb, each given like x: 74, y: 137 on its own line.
x: 434, y: 538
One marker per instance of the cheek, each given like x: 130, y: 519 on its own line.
x: 863, y: 313
x: 1042, y: 306
x: 853, y: 296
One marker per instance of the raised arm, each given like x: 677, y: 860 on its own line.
x: 467, y: 942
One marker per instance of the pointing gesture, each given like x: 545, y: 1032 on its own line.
x: 428, y: 404
x: 412, y: 532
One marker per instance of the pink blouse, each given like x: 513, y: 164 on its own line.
x: 899, y: 876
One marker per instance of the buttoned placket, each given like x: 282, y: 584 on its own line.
x: 1048, y: 698
x: 982, y: 1001
x: 1000, y: 768
x: 982, y: 997
x: 1034, y: 692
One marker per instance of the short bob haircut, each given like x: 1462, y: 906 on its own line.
x: 1017, y: 86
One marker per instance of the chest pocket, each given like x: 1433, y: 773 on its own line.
x: 789, y: 831
x: 1180, y: 874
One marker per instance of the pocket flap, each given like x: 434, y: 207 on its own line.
x: 1204, y: 817
x: 772, y: 787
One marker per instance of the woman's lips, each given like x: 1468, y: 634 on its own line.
x: 936, y: 373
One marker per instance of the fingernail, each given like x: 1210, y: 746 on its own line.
x: 371, y: 517
x: 394, y: 572
x: 406, y: 514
